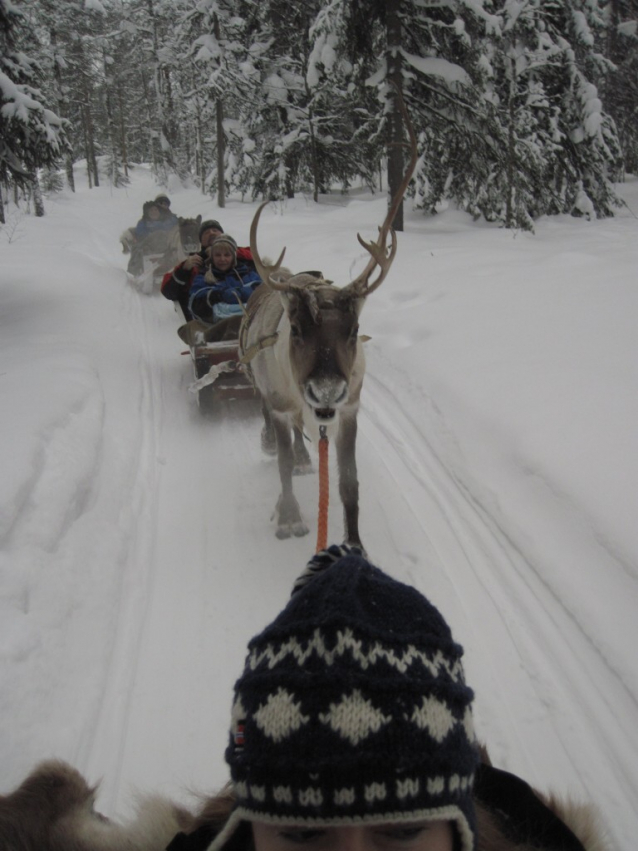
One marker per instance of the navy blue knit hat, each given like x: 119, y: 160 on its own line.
x: 353, y: 708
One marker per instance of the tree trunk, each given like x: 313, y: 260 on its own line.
x: 161, y: 134
x: 90, y: 137
x: 62, y: 109
x: 221, y: 142
x: 314, y: 160
x: 395, y: 151
x: 110, y: 123
x: 68, y: 167
x: 38, y: 203
x: 3, y: 220
x: 511, y: 149
x: 85, y: 134
x: 123, y: 147
x: 155, y: 155
x: 200, y: 165
x: 221, y: 184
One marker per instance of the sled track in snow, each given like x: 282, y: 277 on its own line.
x: 480, y: 550
x: 138, y: 574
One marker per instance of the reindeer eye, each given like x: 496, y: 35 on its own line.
x: 295, y: 332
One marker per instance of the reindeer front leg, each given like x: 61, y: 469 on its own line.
x: 289, y: 521
x: 348, y: 482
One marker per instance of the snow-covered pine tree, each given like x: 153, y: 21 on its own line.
x: 52, y: 21
x: 278, y: 118
x: 430, y: 52
x: 343, y: 124
x: 562, y: 147
x: 31, y: 135
x: 619, y: 90
x: 66, y: 33
x: 221, y: 76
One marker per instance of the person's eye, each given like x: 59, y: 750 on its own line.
x: 402, y: 834
x: 301, y: 837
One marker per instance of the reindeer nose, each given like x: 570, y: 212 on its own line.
x: 324, y: 395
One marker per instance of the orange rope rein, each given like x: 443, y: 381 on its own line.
x: 324, y: 492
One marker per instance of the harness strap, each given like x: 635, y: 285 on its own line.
x: 324, y: 491
x: 257, y: 347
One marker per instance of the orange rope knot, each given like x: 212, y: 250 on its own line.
x: 324, y: 491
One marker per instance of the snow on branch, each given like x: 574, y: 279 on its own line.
x: 434, y: 66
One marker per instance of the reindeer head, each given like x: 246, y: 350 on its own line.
x: 323, y: 326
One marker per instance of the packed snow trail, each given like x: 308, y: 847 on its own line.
x: 139, y: 556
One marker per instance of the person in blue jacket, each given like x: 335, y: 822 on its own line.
x: 152, y: 221
x: 216, y: 293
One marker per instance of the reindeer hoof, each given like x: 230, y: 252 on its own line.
x: 302, y: 468
x: 289, y: 530
x: 357, y: 544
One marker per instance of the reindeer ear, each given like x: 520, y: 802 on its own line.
x: 290, y: 300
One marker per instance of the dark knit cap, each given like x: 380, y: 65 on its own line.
x: 209, y: 223
x: 353, y: 708
x: 165, y: 198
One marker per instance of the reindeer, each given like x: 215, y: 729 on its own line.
x: 300, y: 336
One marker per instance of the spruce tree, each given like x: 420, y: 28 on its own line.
x: 31, y: 135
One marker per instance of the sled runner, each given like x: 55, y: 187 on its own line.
x: 219, y: 376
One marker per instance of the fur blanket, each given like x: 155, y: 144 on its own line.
x: 52, y: 810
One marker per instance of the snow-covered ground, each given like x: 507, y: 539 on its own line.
x: 498, y: 463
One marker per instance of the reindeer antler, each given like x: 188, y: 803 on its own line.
x: 381, y: 256
x: 265, y: 272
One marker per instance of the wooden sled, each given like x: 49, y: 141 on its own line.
x: 219, y: 377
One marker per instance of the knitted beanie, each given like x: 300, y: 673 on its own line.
x: 353, y: 709
x: 207, y: 225
x: 224, y: 239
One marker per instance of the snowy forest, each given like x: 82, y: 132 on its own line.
x: 522, y: 108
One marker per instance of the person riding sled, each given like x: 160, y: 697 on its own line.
x: 216, y: 293
x: 177, y: 283
x: 164, y: 204
x: 351, y: 730
x: 150, y: 235
x: 153, y: 220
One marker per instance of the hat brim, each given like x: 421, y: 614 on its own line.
x: 241, y: 816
